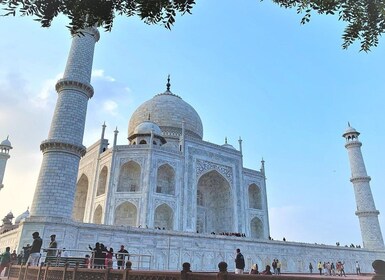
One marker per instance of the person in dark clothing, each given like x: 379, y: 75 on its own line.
x: 239, y: 262
x: 267, y: 270
x: 120, y: 257
x: 34, y: 253
x: 26, y: 250
x: 98, y: 255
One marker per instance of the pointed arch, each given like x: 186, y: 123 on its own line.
x: 102, y: 181
x: 126, y: 215
x: 215, y: 214
x: 255, y: 197
x: 164, y: 217
x: 256, y: 228
x: 129, y: 177
x: 80, y: 199
x: 98, y: 215
x: 165, y: 182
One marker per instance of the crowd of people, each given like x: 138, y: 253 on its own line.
x: 331, y: 269
x: 240, y: 266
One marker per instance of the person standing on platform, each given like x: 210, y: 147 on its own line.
x: 358, y: 269
x: 52, y: 247
x: 120, y: 257
x: 239, y: 262
x: 34, y: 255
x: 5, y: 259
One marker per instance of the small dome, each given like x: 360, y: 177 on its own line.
x: 146, y: 127
x: 350, y: 130
x: 21, y: 217
x: 6, y: 143
x: 228, y: 146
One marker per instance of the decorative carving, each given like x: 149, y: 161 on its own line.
x: 134, y: 201
x: 56, y: 145
x: 171, y: 163
x: 203, y: 166
x: 159, y: 201
x: 85, y: 88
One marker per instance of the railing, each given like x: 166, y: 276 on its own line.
x: 86, y: 259
x: 17, y: 272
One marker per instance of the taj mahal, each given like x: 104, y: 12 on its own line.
x: 167, y: 193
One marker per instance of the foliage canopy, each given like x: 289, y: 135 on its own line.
x: 365, y: 18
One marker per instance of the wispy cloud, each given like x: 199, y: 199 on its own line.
x: 110, y: 107
x: 99, y: 73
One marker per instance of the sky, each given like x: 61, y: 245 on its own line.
x: 250, y: 70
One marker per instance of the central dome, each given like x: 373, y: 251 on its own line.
x: 168, y: 111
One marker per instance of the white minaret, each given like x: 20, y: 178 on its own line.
x: 5, y: 146
x: 366, y: 210
x: 56, y: 185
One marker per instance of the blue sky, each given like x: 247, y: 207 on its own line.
x: 249, y: 70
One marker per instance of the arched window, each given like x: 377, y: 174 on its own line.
x: 256, y: 228
x: 125, y: 215
x: 98, y: 215
x: 164, y: 217
x: 216, y: 211
x: 142, y: 142
x: 80, y: 199
x: 255, y: 197
x: 102, y: 181
x: 165, y: 180
x: 129, y: 177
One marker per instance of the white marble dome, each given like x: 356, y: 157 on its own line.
x: 168, y: 111
x: 6, y: 143
x: 146, y: 127
x: 350, y: 130
x: 22, y: 217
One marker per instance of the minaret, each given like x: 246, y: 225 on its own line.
x: 56, y: 185
x: 5, y: 146
x: 366, y: 210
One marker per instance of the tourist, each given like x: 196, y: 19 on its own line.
x: 254, y: 269
x: 26, y: 250
x: 51, y: 251
x: 338, y: 267
x: 222, y: 274
x: 14, y: 257
x: 274, y: 265
x: 34, y: 252
x: 358, y: 269
x: 120, y: 257
x: 333, y: 269
x: 342, y: 269
x: 311, y: 268
x: 186, y: 269
x: 5, y: 259
x: 327, y: 268
x: 64, y: 253
x: 20, y: 258
x: 239, y: 262
x: 108, y: 260
x: 267, y: 271
x: 87, y: 261
x: 320, y: 266
x: 128, y: 265
x: 279, y: 265
x: 98, y: 255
